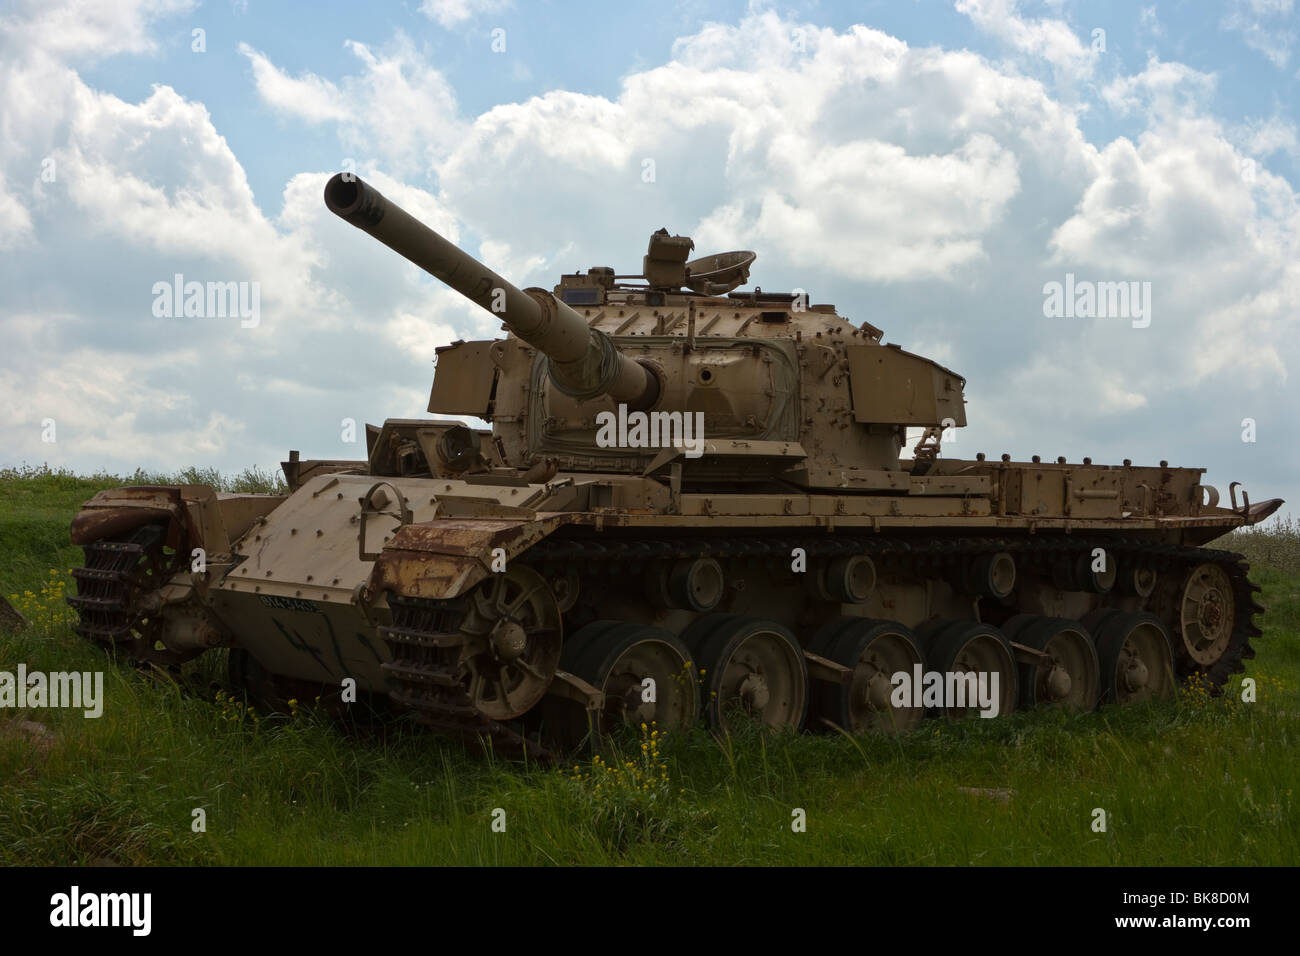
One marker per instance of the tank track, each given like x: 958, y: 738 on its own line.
x: 424, y: 676
x: 110, y: 586
x: 105, y: 601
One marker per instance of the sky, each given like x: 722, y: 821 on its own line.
x: 930, y: 167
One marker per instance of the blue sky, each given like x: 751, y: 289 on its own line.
x: 927, y: 166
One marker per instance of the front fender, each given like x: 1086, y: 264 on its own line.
x: 446, y: 557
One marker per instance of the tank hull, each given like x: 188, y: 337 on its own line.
x: 340, y: 588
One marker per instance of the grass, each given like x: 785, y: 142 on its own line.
x: 1197, y: 781
x: 1274, y: 543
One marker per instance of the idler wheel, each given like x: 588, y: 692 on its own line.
x: 1207, y: 614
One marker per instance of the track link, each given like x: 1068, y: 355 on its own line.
x: 110, y: 587
x: 105, y: 601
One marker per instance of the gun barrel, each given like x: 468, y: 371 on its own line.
x: 584, y: 363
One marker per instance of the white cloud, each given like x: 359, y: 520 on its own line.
x: 1162, y: 89
x: 1051, y: 40
x: 1218, y: 246
x: 308, y: 96
x: 86, y: 27
x: 97, y: 405
x: 448, y: 13
x: 1110, y: 394
x: 1264, y: 26
x: 149, y: 189
x: 36, y: 88
x: 15, y: 220
x: 399, y: 109
x: 854, y: 152
x: 522, y: 269
x: 1263, y: 137
x: 892, y: 216
x: 1149, y: 21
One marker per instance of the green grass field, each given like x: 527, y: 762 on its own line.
x: 1195, y: 781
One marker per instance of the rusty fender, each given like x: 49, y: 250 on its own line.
x: 444, y: 558
x: 118, y: 510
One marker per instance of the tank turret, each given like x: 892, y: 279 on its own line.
x: 623, y: 371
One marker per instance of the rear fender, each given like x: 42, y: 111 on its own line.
x: 196, y: 516
x: 116, y: 511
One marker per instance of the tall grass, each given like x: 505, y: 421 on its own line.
x: 1274, y: 543
x: 252, y: 480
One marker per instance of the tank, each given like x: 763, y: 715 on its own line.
x: 691, y: 504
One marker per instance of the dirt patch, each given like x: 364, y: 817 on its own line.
x: 998, y: 794
x: 10, y: 620
x: 39, y: 737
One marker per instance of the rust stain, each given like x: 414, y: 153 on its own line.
x: 420, y: 574
x: 93, y: 524
x: 441, y: 558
